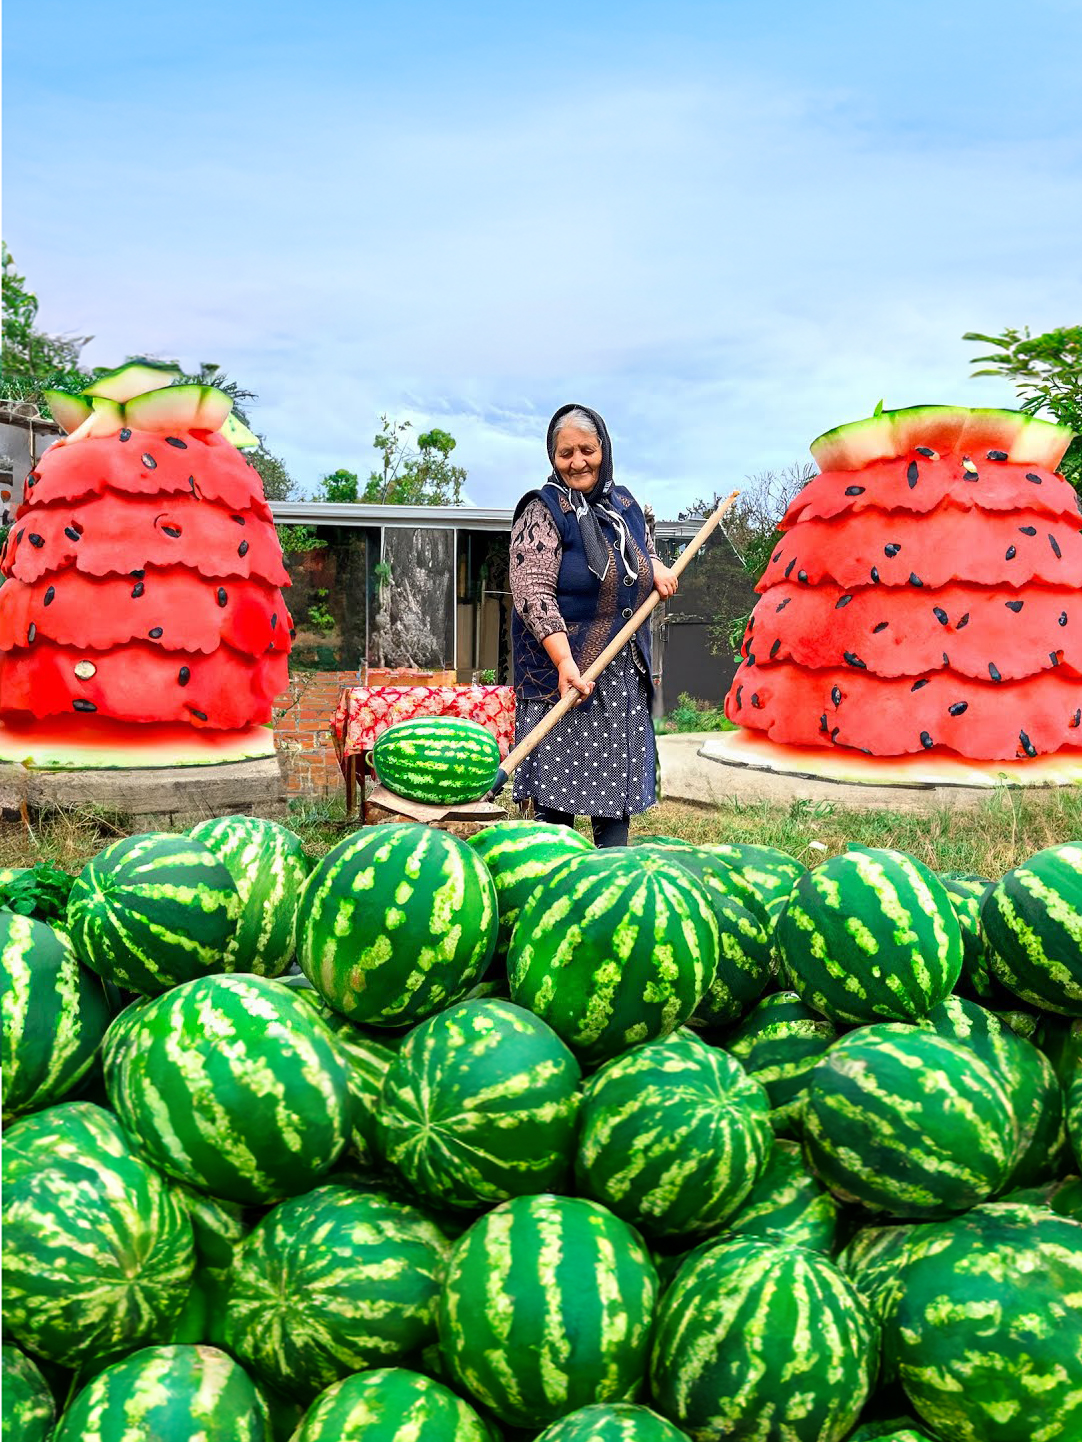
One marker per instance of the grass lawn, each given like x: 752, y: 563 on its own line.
x: 988, y: 839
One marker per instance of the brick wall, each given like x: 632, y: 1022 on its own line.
x: 302, y: 731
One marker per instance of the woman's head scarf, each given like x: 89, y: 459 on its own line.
x: 590, y: 506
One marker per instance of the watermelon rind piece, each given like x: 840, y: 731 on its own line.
x: 856, y: 444
x: 330, y: 1283
x: 179, y: 408
x: 379, y: 1404
x: 238, y: 434
x: 1033, y: 920
x: 107, y: 745
x: 612, y: 1422
x: 134, y: 378
x: 105, y: 419
x: 68, y: 411
x: 27, y: 1409
x: 943, y: 429
x: 183, y: 1393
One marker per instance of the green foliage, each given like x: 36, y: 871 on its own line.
x: 340, y: 485
x: 278, y: 484
x: 408, y: 477
x: 298, y: 538
x: 41, y: 893
x: 692, y: 714
x: 487, y: 677
x: 1046, y: 371
x: 319, y: 617
x: 33, y: 359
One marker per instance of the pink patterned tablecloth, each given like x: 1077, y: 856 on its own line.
x: 364, y: 711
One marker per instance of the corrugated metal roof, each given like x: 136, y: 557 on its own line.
x: 467, y: 518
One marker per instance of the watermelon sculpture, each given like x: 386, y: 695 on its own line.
x: 142, y: 609
x: 925, y: 594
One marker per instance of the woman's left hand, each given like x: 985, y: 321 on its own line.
x: 665, y: 581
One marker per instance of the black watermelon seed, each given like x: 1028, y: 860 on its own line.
x: 780, y: 607
x: 749, y: 659
x: 946, y: 659
x: 1076, y: 719
x: 997, y: 455
x: 1010, y: 553
x: 802, y: 576
x: 843, y: 602
x: 222, y: 597
x: 836, y: 696
x: 774, y: 558
x: 239, y: 520
x: 914, y: 579
x: 1028, y: 530
x: 125, y: 434
x: 912, y: 474
x: 138, y: 589
x: 881, y: 627
x: 789, y: 568
x: 891, y: 549
x: 834, y: 733
x: 1027, y: 745
x: 918, y: 684
x: 926, y: 451
x: 776, y: 647
x: 854, y: 490
x: 184, y: 676
x: 154, y: 632
x: 36, y: 541
x: 993, y: 671
x: 19, y: 535
x: 739, y: 693
x: 175, y: 441
x: 926, y: 741
x: 852, y: 659
x: 149, y: 461
x: 173, y: 531
x: 751, y: 623
x: 958, y: 708
x: 242, y: 549
x: 1053, y: 656
x: 1032, y: 478
x: 823, y: 722
x: 191, y: 485
x: 50, y: 595
x: 1014, y: 606
x: 32, y: 480
x: 81, y: 705
x: 1062, y: 618
x: 940, y: 615
x: 274, y: 617
x: 1051, y: 541
x: 199, y: 715
x: 137, y: 574
x: 755, y: 700
x: 71, y: 533
x: 31, y: 633
x: 875, y: 574
x: 963, y: 622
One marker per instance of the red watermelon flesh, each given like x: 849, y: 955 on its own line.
x: 921, y: 602
x: 145, y: 577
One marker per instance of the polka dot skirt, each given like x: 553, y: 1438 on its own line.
x: 600, y: 759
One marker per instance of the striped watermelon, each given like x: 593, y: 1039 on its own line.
x: 55, y: 1014
x: 788, y: 1199
x: 392, y: 1404
x: 908, y: 1122
x: 230, y: 1084
x: 987, y: 1327
x: 1073, y: 1092
x: 779, y: 1043
x: 396, y: 922
x: 519, y: 855
x: 725, y: 875
x: 760, y: 1338
x: 480, y: 1105
x: 891, y: 1429
x: 674, y: 1136
x: 169, y: 1394
x: 547, y: 1306
x: 153, y: 910
x: 97, y: 1250
x: 218, y: 1229
x: 27, y: 1409
x: 1063, y: 1197
x: 612, y: 949
x: 1033, y: 920
x: 269, y: 867
x: 770, y: 873
x: 612, y: 1422
x: 440, y: 760
x: 967, y: 891
x: 870, y: 936
x: 872, y: 1261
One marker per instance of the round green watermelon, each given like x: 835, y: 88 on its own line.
x: 612, y: 1422
x: 169, y: 1394
x: 674, y: 1136
x: 788, y: 1199
x: 519, y: 855
x: 27, y: 1409
x: 54, y: 1012
x: 779, y: 1043
x: 770, y: 873
x: 480, y: 1105
x: 439, y: 760
x: 331, y: 1283
x: 396, y: 922
x: 870, y: 936
x: 1033, y: 920
x: 872, y: 1260
x: 759, y: 1337
x: 391, y: 1404
x: 547, y: 1306
x: 98, y: 1252
x: 151, y: 911
x: 612, y: 949
x: 232, y: 1084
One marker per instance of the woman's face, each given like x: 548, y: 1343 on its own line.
x: 577, y: 458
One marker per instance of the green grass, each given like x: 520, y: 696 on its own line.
x: 989, y: 839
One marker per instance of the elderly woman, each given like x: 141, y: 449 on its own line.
x: 581, y: 565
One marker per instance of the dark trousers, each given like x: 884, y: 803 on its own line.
x: 608, y: 830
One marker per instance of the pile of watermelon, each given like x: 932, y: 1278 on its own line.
x: 514, y: 1138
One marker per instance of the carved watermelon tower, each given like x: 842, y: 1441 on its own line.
x: 922, y: 615
x: 142, y: 623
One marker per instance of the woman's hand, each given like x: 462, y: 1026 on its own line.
x: 665, y: 581
x: 570, y: 679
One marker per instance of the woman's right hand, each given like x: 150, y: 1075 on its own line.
x: 570, y: 679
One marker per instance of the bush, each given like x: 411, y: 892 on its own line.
x: 693, y: 714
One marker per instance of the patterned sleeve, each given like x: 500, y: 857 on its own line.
x: 535, y: 568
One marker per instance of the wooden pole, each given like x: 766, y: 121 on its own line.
x: 626, y: 631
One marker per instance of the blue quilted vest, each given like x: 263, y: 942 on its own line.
x: 593, y: 610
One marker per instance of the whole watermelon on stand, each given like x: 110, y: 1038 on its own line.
x: 438, y: 760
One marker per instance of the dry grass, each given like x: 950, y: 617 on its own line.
x: 988, y: 839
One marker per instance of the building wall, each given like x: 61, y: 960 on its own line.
x: 303, y: 733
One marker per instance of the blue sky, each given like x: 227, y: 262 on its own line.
x: 727, y: 226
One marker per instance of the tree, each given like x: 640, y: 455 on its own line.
x: 1046, y: 371
x: 33, y: 359
x: 340, y: 485
x: 421, y: 477
x: 278, y: 484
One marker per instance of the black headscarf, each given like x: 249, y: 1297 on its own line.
x: 588, y: 504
